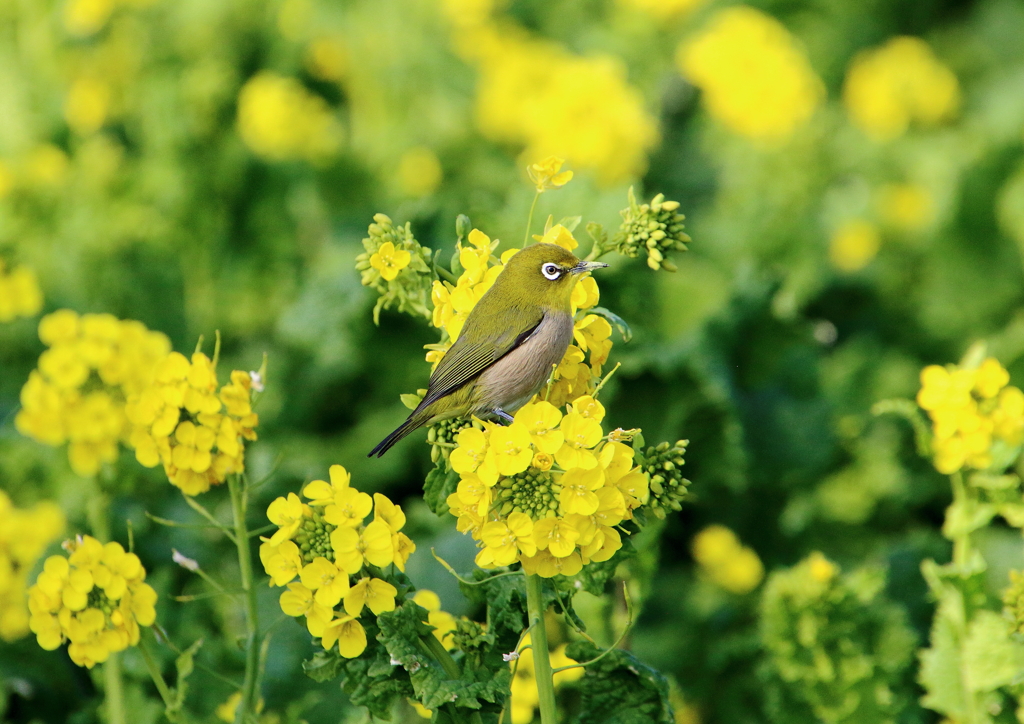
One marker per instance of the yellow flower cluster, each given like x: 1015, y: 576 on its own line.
x: 902, y: 81
x: 20, y: 295
x: 977, y: 416
x: 582, y: 364
x: 280, y: 120
x: 727, y: 562
x: 525, y: 696
x: 96, y: 599
x: 548, y: 174
x: 538, y: 94
x: 182, y: 421
x: 547, y: 491
x: 24, y: 535
x: 755, y: 77
x: 77, y: 395
x: 324, y: 541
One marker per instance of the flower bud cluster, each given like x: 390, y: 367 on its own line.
x: 183, y: 422
x: 24, y: 535
x: 96, y: 599
x: 77, y: 395
x: 397, y: 266
x: 977, y: 417
x: 324, y: 541
x: 20, y: 295
x: 655, y: 229
x: 663, y: 464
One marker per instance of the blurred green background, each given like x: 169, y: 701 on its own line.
x: 856, y: 205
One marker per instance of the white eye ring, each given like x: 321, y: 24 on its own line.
x: 550, y: 271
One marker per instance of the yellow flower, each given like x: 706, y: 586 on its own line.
x: 822, y: 569
x: 24, y: 535
x: 330, y: 583
x: 327, y: 59
x: 20, y: 295
x: 578, y: 490
x: 558, y: 235
x: 585, y: 294
x: 287, y: 513
x: 280, y: 120
x: 419, y: 172
x: 95, y: 599
x: 548, y: 174
x: 282, y: 562
x: 902, y: 81
x: 755, y: 77
x: 320, y: 492
x: 349, y: 508
x: 87, y: 105
x: 727, y: 562
x: 854, y: 245
x: 503, y: 541
x: 512, y: 448
x: 299, y: 601
x: 442, y: 621
x: 353, y: 549
x: 389, y: 261
x: 548, y: 565
x: 908, y: 207
x: 469, y: 454
x: 542, y: 421
x: 85, y: 17
x: 375, y: 594
x: 556, y: 536
x: 348, y: 633
x: 581, y: 434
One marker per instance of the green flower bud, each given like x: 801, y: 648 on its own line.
x: 402, y: 272
x: 668, y: 487
x: 655, y: 228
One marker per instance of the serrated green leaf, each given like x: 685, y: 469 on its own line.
x: 324, y: 666
x: 438, y: 485
x: 992, y: 658
x: 620, y: 689
x: 505, y: 599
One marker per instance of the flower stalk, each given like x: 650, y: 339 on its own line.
x: 541, y: 654
x: 239, y: 504
x: 113, y: 689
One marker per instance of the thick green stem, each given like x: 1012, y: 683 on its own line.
x: 239, y: 500
x: 113, y: 690
x: 541, y: 656
x: 529, y: 219
x: 961, y: 542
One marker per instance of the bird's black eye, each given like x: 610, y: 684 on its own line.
x: 551, y: 271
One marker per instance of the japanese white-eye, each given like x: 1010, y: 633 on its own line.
x: 512, y: 339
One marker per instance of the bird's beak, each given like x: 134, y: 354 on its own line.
x: 585, y: 266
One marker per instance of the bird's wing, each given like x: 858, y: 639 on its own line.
x: 467, y: 360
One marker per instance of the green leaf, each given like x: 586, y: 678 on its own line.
x: 410, y: 400
x: 324, y: 666
x: 992, y: 658
x: 620, y: 689
x: 597, y: 233
x: 940, y: 663
x: 505, y: 599
x: 618, y: 322
x: 438, y: 485
x: 571, y: 222
x: 185, y: 665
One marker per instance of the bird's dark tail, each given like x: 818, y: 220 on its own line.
x: 404, y: 429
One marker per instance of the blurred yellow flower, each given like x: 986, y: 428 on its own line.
x: 20, y: 295
x: 87, y: 105
x: 908, y: 207
x: 548, y: 174
x: 419, y: 172
x: 854, y: 245
x: 727, y: 562
x: 226, y: 711
x: 821, y: 568
x: 96, y: 599
x: 46, y: 165
x: 24, y: 535
x: 755, y: 77
x: 327, y: 59
x: 85, y: 17
x: 280, y: 120
x: 902, y: 81
x: 442, y: 621
x: 525, y: 697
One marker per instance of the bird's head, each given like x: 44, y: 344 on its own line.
x: 545, y: 273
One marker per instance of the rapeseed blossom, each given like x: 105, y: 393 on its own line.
x: 547, y: 174
x: 977, y: 416
x: 24, y: 535
x: 96, y: 599
x: 324, y: 541
x: 726, y: 561
x: 183, y: 422
x: 280, y: 120
x: 78, y: 393
x: 552, y: 517
x: 889, y: 87
x: 20, y: 295
x: 396, y: 265
x: 754, y: 75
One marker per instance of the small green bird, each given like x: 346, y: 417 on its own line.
x: 515, y: 334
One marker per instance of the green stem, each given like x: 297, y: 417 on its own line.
x: 113, y: 689
x: 961, y: 542
x: 529, y: 219
x: 154, y: 673
x: 539, y: 643
x: 247, y: 707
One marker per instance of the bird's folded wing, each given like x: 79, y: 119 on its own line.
x: 467, y: 359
